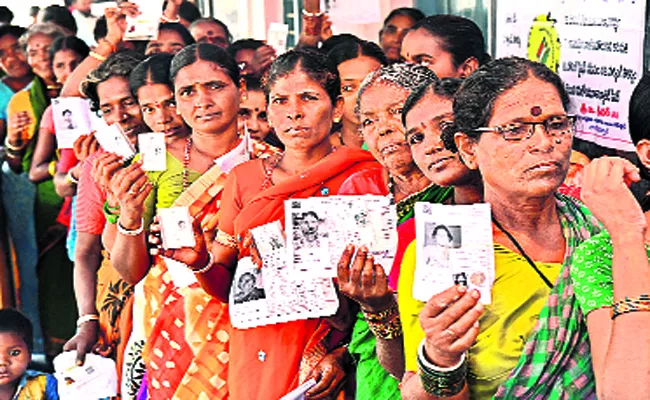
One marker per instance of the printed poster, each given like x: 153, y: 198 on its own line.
x: 596, y: 46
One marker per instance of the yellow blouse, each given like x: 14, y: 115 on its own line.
x: 518, y: 295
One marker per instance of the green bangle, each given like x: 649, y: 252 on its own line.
x: 111, y: 213
x: 441, y: 382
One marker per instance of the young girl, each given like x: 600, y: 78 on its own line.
x: 16, y: 342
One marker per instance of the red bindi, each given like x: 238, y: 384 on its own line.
x: 536, y: 111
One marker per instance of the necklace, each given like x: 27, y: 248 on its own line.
x: 186, y: 162
x: 523, y: 253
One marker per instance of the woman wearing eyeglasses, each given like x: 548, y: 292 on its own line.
x: 531, y: 341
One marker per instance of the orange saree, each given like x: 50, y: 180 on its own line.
x: 267, y: 362
x: 188, y: 331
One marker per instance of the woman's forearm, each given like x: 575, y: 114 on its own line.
x: 130, y: 254
x: 627, y: 358
x: 412, y: 389
x: 86, y: 265
x: 390, y: 354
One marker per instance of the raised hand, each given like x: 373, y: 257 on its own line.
x: 262, y: 59
x: 17, y: 125
x: 365, y: 281
x: 330, y: 375
x: 130, y: 185
x: 450, y: 323
x: 84, y: 146
x: 606, y: 193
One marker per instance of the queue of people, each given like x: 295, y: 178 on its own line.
x: 425, y: 115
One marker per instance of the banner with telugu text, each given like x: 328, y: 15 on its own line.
x: 596, y: 46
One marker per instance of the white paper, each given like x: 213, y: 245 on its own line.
x: 144, y: 26
x: 299, y: 392
x: 453, y: 246
x: 277, y: 37
x: 353, y: 12
x: 72, y: 118
x: 319, y: 229
x: 273, y: 294
x: 599, y: 47
x: 113, y: 140
x: 153, y: 150
x: 176, y: 227
x: 95, y: 379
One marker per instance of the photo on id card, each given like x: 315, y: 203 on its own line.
x: 176, y: 227
x: 453, y: 247
x: 248, y: 303
x: 153, y: 151
x: 72, y: 118
x: 308, y: 239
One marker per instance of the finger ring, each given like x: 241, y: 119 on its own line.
x: 133, y: 192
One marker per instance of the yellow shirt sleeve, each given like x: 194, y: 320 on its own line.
x: 409, y: 309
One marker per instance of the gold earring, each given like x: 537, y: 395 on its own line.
x: 337, y: 120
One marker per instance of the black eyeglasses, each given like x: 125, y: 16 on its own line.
x: 556, y: 126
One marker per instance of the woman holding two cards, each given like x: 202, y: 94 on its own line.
x: 303, y: 89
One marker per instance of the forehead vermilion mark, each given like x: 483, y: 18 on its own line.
x: 536, y: 111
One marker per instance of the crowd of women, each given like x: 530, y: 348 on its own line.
x: 425, y: 116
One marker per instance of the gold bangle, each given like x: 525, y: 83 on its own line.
x: 51, y: 168
x: 11, y: 147
x: 97, y: 56
x: 71, y: 179
x: 631, y: 304
x: 87, y: 318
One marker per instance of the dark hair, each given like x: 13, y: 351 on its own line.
x: 244, y: 44
x: 474, y: 102
x: 189, y: 12
x: 442, y: 228
x: 118, y: 64
x: 180, y: 29
x: 407, y: 76
x: 639, y: 111
x: 66, y: 111
x: 413, y: 13
x: 13, y: 321
x: 253, y: 84
x: 241, y: 279
x: 61, y: 16
x: 34, y: 10
x: 13, y: 30
x: 206, y: 52
x: 336, y: 40
x: 214, y: 21
x: 100, y: 29
x: 154, y: 69
x: 350, y: 50
x: 317, y: 66
x: 445, y: 88
x: 308, y: 213
x: 6, y: 16
x: 70, y: 43
x: 460, y: 37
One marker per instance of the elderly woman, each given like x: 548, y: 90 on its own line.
x: 610, y: 270
x: 514, y: 128
x: 32, y: 210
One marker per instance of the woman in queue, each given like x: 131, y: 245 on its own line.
x: 513, y: 127
x: 354, y: 61
x: 449, y: 45
x: 37, y: 236
x: 303, y: 89
x: 201, y: 84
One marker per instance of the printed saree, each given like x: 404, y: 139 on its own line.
x: 267, y: 362
x: 187, y: 330
x: 556, y: 362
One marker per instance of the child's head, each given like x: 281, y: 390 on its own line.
x: 15, y: 345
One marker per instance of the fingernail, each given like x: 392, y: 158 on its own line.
x: 79, y: 363
x: 476, y: 324
x: 479, y: 307
x: 476, y: 294
x: 461, y: 288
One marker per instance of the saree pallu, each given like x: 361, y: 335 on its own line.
x: 269, y: 361
x: 556, y: 362
x: 114, y: 302
x: 187, y: 330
